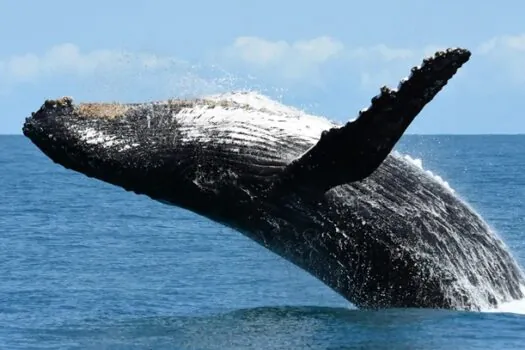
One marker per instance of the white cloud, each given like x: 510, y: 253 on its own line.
x: 305, y: 61
x: 68, y: 59
x: 381, y: 52
x: 506, y: 55
x: 507, y: 43
x: 112, y: 70
x: 295, y: 60
x: 262, y: 52
x: 302, y: 61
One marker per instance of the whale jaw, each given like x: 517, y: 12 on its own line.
x: 100, y: 141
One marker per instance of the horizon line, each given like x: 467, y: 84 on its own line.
x: 407, y: 134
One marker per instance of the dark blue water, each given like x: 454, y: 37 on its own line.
x: 85, y: 265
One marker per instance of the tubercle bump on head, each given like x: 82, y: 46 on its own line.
x: 65, y: 101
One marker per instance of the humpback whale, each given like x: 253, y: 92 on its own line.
x: 336, y: 200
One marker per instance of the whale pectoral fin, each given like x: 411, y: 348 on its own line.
x: 355, y: 150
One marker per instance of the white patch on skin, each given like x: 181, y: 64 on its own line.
x: 92, y: 137
x: 256, y: 118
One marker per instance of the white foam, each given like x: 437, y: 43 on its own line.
x: 511, y: 307
x: 419, y: 163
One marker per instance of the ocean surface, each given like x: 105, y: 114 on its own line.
x: 85, y: 265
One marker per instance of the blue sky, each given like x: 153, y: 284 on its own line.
x: 328, y: 57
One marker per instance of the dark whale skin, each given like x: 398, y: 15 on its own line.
x: 334, y: 200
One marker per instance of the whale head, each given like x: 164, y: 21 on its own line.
x: 190, y: 153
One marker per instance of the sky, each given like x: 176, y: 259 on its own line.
x: 327, y: 57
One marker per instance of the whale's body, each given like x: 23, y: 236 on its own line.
x: 334, y: 200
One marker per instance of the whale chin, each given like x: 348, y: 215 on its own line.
x: 47, y: 129
x: 56, y: 130
x: 99, y: 140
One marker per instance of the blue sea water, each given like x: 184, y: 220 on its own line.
x: 85, y: 265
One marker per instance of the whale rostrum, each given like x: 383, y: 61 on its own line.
x: 335, y: 200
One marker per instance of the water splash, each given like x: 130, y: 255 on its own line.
x: 510, y: 307
x: 419, y: 163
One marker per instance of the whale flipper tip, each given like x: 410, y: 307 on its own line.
x: 354, y: 151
